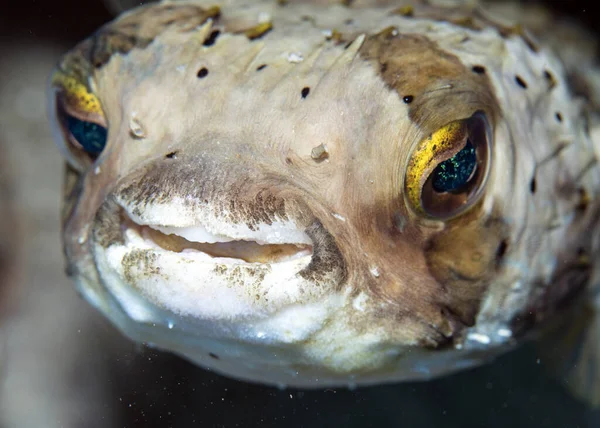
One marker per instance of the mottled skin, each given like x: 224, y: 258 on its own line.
x: 219, y: 129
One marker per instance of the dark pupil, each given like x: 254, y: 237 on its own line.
x: 454, y: 173
x: 91, y: 136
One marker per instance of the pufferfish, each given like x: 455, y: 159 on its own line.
x: 332, y: 193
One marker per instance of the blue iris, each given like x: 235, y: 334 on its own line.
x: 454, y: 173
x: 91, y: 136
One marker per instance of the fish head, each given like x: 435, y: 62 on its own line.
x: 292, y: 205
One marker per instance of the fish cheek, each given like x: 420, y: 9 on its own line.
x: 463, y: 259
x: 72, y: 186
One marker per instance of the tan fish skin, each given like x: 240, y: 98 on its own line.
x: 214, y: 110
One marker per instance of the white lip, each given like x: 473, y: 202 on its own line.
x: 177, y: 218
x: 277, y: 233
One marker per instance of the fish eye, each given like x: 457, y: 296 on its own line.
x: 447, y: 171
x: 90, y: 136
x: 78, y: 121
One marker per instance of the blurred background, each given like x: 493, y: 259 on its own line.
x: 62, y: 365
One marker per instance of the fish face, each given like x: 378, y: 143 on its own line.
x: 290, y: 194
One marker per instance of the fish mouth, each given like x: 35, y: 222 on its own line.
x: 193, y: 263
x: 267, y: 244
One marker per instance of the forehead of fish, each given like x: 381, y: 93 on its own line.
x: 243, y: 114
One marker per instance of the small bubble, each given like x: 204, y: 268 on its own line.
x: 171, y: 325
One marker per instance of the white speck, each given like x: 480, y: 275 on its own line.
x: 458, y: 346
x: 517, y: 286
x: 371, y: 181
x: 504, y: 332
x: 479, y: 337
x: 374, y: 271
x: 339, y: 217
x: 82, y: 239
x: 97, y: 170
x: 180, y: 68
x: 327, y: 33
x: 171, y: 325
x: 264, y: 17
x: 359, y: 302
x: 260, y: 334
x: 291, y: 396
x: 538, y: 361
x: 295, y: 57
x: 394, y: 32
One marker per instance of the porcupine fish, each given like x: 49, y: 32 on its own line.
x: 327, y: 193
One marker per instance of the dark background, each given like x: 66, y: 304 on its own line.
x: 72, y: 20
x: 152, y: 389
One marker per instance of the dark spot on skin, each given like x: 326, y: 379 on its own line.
x: 214, y: 356
x: 532, y: 185
x: 289, y: 161
x: 408, y: 99
x: 172, y: 155
x: 558, y: 116
x: 349, y: 21
x: 479, y: 69
x: 202, y: 73
x: 501, y: 249
x: 550, y: 79
x: 584, y: 200
x: 261, y: 67
x: 212, y: 38
x: 521, y: 82
x: 305, y: 92
x: 383, y: 67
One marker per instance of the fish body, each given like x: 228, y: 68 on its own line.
x: 327, y: 193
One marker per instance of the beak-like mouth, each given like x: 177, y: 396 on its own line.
x: 207, y: 266
x: 235, y: 250
x: 265, y: 244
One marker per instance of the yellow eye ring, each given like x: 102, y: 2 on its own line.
x: 447, y: 171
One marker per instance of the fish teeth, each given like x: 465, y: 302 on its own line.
x: 176, y: 218
x: 193, y: 234
x: 278, y: 232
